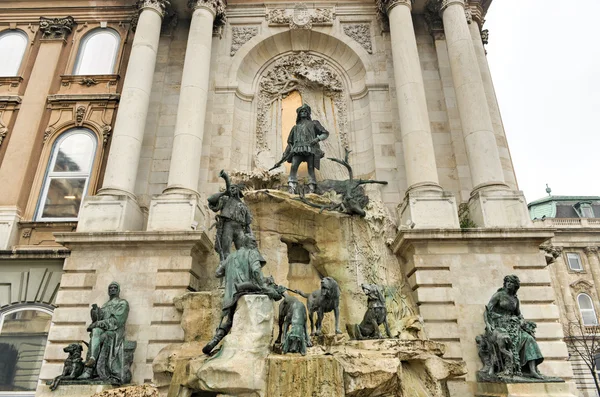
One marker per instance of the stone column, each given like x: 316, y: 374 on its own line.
x: 492, y: 204
x: 22, y: 153
x: 592, y: 254
x: 115, y: 208
x: 424, y: 196
x: 490, y: 92
x: 178, y: 207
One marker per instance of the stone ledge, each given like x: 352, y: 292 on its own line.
x: 521, y: 235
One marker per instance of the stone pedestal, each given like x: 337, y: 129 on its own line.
x: 110, y: 213
x: 240, y: 367
x: 176, y: 212
x: 70, y: 390
x: 429, y: 209
x: 499, y: 208
x: 523, y: 390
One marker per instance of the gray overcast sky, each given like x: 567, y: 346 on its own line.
x: 545, y: 62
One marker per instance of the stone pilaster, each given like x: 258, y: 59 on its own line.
x: 424, y: 196
x: 178, y: 208
x: 592, y: 255
x: 23, y: 148
x: 115, y: 208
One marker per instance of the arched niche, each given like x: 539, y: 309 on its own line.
x: 328, y: 74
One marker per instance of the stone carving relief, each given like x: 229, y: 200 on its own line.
x: 158, y: 5
x: 580, y: 286
x: 80, y: 113
x: 361, y: 33
x: 56, y: 28
x: 240, y: 36
x: 3, y: 133
x: 300, y: 17
x: 301, y: 72
x: 217, y: 6
x: 485, y: 36
x: 469, y: 15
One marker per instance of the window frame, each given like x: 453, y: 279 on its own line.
x: 85, y: 40
x: 68, y: 175
x: 15, y: 309
x: 578, y: 261
x: 593, y: 309
x: 19, y: 32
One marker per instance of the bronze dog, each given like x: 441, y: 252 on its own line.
x: 292, y: 313
x: 375, y: 315
x: 323, y: 301
x: 73, y: 366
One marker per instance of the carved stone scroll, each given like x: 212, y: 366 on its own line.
x: 301, y: 17
x: 56, y: 28
x: 361, y: 33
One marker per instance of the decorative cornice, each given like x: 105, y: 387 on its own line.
x: 56, y: 28
x: 217, y: 7
x: 160, y: 6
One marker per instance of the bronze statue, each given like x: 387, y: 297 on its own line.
x: 323, y: 301
x: 242, y: 271
x: 73, y: 366
x: 234, y: 219
x: 375, y: 315
x: 508, y: 348
x: 303, y: 146
x: 107, y: 358
x: 292, y: 313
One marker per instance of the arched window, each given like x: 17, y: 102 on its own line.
x: 588, y: 314
x: 23, y: 336
x: 12, y: 47
x: 97, y: 52
x: 67, y: 176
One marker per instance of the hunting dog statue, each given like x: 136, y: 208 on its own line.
x: 292, y: 313
x: 73, y: 366
x: 375, y: 315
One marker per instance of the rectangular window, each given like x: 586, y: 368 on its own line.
x: 574, y: 261
x: 587, y: 211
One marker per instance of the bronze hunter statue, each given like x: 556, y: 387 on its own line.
x: 508, y: 348
x: 303, y: 146
x: 110, y: 355
x: 234, y: 218
x: 242, y: 271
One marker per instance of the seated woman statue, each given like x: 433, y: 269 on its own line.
x: 509, y: 340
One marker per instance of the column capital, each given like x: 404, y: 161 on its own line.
x: 56, y: 28
x: 385, y: 6
x: 441, y: 5
x: 160, y: 6
x: 590, y: 251
x: 217, y: 7
x: 477, y: 13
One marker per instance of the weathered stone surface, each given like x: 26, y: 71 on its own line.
x: 239, y: 368
x: 295, y: 376
x: 131, y: 391
x: 200, y: 314
x: 71, y: 390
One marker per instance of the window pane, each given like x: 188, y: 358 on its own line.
x: 574, y: 262
x: 585, y: 302
x: 99, y: 52
x: 75, y: 154
x: 22, y: 342
x: 63, y: 198
x: 589, y: 317
x: 587, y: 212
x: 12, y: 48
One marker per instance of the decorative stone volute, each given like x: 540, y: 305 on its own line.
x: 589, y: 251
x: 217, y: 7
x: 160, y: 6
x: 56, y: 28
x: 385, y: 6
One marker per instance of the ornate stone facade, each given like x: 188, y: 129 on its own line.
x: 56, y: 28
x: 361, y: 32
x: 159, y: 6
x: 300, y: 17
x: 240, y: 35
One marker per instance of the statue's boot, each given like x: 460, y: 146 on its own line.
x: 293, y: 187
x: 220, y: 334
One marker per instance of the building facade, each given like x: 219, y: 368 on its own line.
x: 575, y: 270
x: 116, y: 118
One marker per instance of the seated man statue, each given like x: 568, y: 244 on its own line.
x: 243, y: 275
x: 106, y: 355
